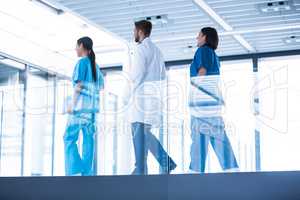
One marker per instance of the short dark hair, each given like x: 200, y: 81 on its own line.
x: 145, y: 26
x: 212, y: 38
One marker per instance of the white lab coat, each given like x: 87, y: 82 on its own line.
x: 145, y: 92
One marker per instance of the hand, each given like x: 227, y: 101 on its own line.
x: 202, y: 71
x: 69, y: 109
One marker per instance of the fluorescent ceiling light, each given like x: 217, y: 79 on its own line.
x: 48, y: 6
x: 156, y: 20
x: 189, y: 49
x: 236, y: 32
x: 206, y: 8
x: 292, y: 40
x: 244, y: 43
x: 262, y: 29
x: 275, y: 6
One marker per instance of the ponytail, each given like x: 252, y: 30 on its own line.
x: 87, y: 44
x: 92, y: 58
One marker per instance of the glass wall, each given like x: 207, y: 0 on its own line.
x: 11, y: 135
x: 237, y: 82
x: 178, y: 119
x: 279, y: 94
x: 114, y: 155
x: 39, y: 123
x: 260, y: 116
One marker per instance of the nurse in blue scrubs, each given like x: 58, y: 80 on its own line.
x: 206, y: 121
x: 87, y: 81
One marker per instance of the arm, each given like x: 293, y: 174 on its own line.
x: 77, y: 79
x: 202, y: 71
x: 77, y: 90
x: 204, y: 61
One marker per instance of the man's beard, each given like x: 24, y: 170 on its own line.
x: 137, y: 39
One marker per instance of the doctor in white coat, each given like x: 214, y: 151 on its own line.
x: 145, y: 99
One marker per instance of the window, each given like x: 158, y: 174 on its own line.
x: 279, y: 113
x: 261, y: 116
x: 177, y: 119
x: 114, y: 150
x: 11, y: 133
x: 39, y: 123
x: 239, y: 116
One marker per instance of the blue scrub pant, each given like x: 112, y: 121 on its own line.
x: 210, y: 129
x: 74, y: 163
x: 143, y: 141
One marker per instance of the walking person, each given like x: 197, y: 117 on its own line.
x: 87, y: 81
x: 206, y: 121
x: 147, y: 74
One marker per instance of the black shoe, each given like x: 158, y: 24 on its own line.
x: 138, y: 171
x: 172, y: 166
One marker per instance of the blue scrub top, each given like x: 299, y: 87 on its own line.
x: 205, y: 57
x: 207, y: 99
x: 88, y: 100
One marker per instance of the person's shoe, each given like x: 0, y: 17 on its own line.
x: 172, y: 166
x: 138, y: 171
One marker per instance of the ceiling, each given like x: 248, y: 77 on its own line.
x: 242, y: 27
x: 38, y: 36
